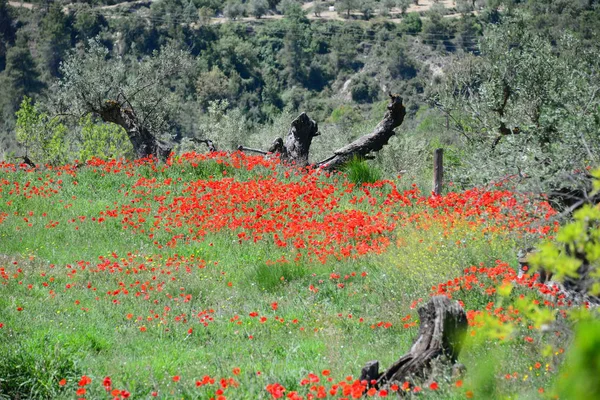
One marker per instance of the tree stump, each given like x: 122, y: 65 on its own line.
x: 297, y: 143
x: 442, y: 331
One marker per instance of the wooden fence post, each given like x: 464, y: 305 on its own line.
x: 438, y: 171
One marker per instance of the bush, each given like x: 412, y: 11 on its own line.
x: 364, y: 89
x: 411, y: 23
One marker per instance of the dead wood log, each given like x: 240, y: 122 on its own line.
x: 297, y: 143
x: 248, y: 149
x: 26, y: 160
x: 371, y: 142
x: 442, y: 331
x: 144, y: 142
x: 296, y: 147
x: 576, y: 289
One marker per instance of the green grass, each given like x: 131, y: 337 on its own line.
x: 76, y: 318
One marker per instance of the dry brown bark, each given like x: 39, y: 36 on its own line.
x: 296, y: 146
x: 441, y: 334
x: 371, y: 142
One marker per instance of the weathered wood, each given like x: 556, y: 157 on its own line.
x: 442, y: 331
x: 370, y: 372
x: 27, y: 160
x: 371, y: 142
x: 277, y: 146
x: 144, y: 142
x: 248, y: 149
x: 438, y: 171
x: 296, y: 147
x: 299, y: 138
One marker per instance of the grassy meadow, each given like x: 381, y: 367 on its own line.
x: 229, y: 276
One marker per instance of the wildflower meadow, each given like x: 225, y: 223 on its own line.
x: 229, y: 276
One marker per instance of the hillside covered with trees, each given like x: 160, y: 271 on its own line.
x: 241, y: 78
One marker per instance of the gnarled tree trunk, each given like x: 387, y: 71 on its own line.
x: 144, y: 142
x: 442, y: 331
x: 296, y: 147
x: 297, y: 143
x: 371, y: 142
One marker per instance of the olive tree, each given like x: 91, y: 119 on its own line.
x: 138, y: 95
x: 527, y: 107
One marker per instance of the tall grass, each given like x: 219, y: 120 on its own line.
x: 360, y: 172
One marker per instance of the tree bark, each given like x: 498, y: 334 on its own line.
x: 371, y: 142
x: 296, y: 145
x: 144, y: 142
x: 442, y: 331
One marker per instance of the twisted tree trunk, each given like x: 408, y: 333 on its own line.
x: 144, y: 142
x: 371, y: 142
x: 296, y: 147
x: 442, y: 331
x: 297, y: 143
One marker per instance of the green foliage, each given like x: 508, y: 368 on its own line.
x: 364, y: 89
x: 343, y: 114
x: 20, y: 78
x: 56, y: 38
x: 47, y: 141
x: 576, y: 242
x: 399, y: 62
x: 233, y: 9
x: 528, y: 106
x: 411, y: 23
x: 360, y: 172
x: 7, y: 31
x: 437, y: 30
x: 88, y: 23
x: 44, y: 138
x: 367, y: 8
x: 147, y: 87
x: 289, y: 7
x: 225, y: 127
x: 101, y: 140
x: 346, y: 6
x: 580, y: 372
x: 318, y: 7
x: 214, y: 85
x: 258, y: 8
x: 403, y: 5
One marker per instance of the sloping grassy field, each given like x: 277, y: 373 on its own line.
x: 228, y: 276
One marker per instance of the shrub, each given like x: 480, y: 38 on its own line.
x: 364, y: 89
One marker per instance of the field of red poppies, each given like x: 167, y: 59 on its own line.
x: 230, y: 276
